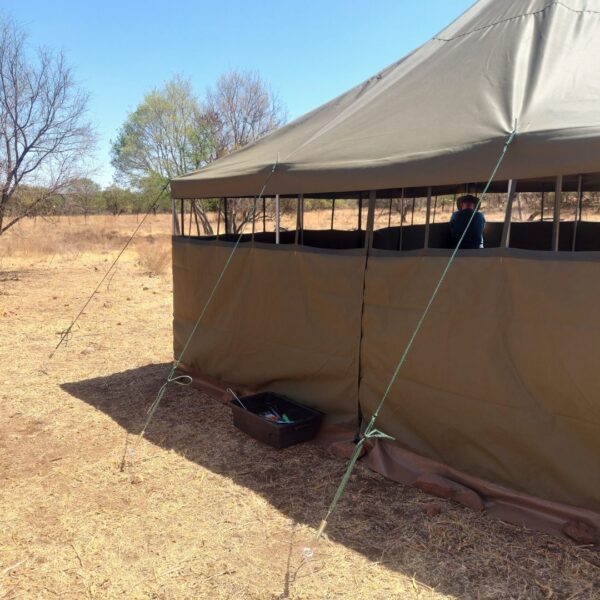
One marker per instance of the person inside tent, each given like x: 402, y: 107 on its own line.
x: 460, y: 220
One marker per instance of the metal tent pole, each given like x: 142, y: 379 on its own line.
x: 182, y: 218
x: 360, y: 212
x: 370, y: 220
x: 298, y: 218
x: 401, y: 220
x: 253, y: 217
x: 332, y: 211
x: 578, y: 211
x: 175, y: 225
x: 219, y: 218
x: 556, y: 227
x: 277, y: 217
x: 427, y: 218
x: 510, y: 195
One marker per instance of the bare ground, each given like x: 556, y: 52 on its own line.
x: 200, y: 510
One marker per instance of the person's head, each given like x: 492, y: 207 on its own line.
x: 467, y: 201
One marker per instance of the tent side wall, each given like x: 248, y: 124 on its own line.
x: 501, y: 382
x: 284, y: 320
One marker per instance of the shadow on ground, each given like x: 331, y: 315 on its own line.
x: 456, y: 551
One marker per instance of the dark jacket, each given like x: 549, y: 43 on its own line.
x: 458, y: 223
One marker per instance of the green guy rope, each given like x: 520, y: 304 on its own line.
x: 66, y: 335
x: 371, y: 431
x: 186, y: 379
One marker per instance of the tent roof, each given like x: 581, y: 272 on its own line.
x: 440, y: 115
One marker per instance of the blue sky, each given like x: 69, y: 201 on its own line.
x: 309, y: 51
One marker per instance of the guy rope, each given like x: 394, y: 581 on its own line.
x: 371, y: 431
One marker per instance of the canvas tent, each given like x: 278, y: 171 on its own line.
x: 500, y: 391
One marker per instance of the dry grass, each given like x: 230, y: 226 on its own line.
x: 201, y: 511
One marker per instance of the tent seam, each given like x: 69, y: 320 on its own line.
x: 529, y: 14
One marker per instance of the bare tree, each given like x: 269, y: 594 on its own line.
x: 242, y: 108
x: 43, y: 135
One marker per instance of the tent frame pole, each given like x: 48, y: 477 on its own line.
x: 277, y: 218
x: 401, y: 220
x: 253, y: 218
x: 370, y: 220
x: 360, y: 207
x: 196, y: 218
x: 225, y: 215
x: 510, y: 196
x: 556, y: 226
x: 219, y: 218
x: 175, y: 225
x: 182, y: 217
x: 299, y: 216
x: 427, y: 218
x: 578, y: 211
x: 332, y: 211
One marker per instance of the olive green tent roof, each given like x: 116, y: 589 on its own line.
x: 440, y: 115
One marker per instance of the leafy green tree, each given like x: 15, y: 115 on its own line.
x: 166, y: 136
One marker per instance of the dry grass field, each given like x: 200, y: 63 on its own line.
x: 199, y: 510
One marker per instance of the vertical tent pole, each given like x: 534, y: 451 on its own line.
x: 412, y: 212
x: 196, y: 219
x: 370, y: 220
x: 434, y: 208
x: 578, y: 210
x: 253, y: 217
x: 182, y: 217
x: 264, y: 214
x: 556, y: 227
x: 301, y: 219
x: 175, y: 226
x: 401, y: 219
x: 427, y: 218
x: 510, y: 195
x: 277, y: 217
x: 390, y: 214
x: 360, y: 212
x: 542, y: 208
x: 226, y: 215
x: 332, y: 211
x: 192, y: 208
x: 298, y: 217
x: 219, y: 218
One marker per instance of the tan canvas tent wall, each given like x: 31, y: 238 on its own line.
x: 500, y: 391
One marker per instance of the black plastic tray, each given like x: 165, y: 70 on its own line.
x: 304, y: 426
